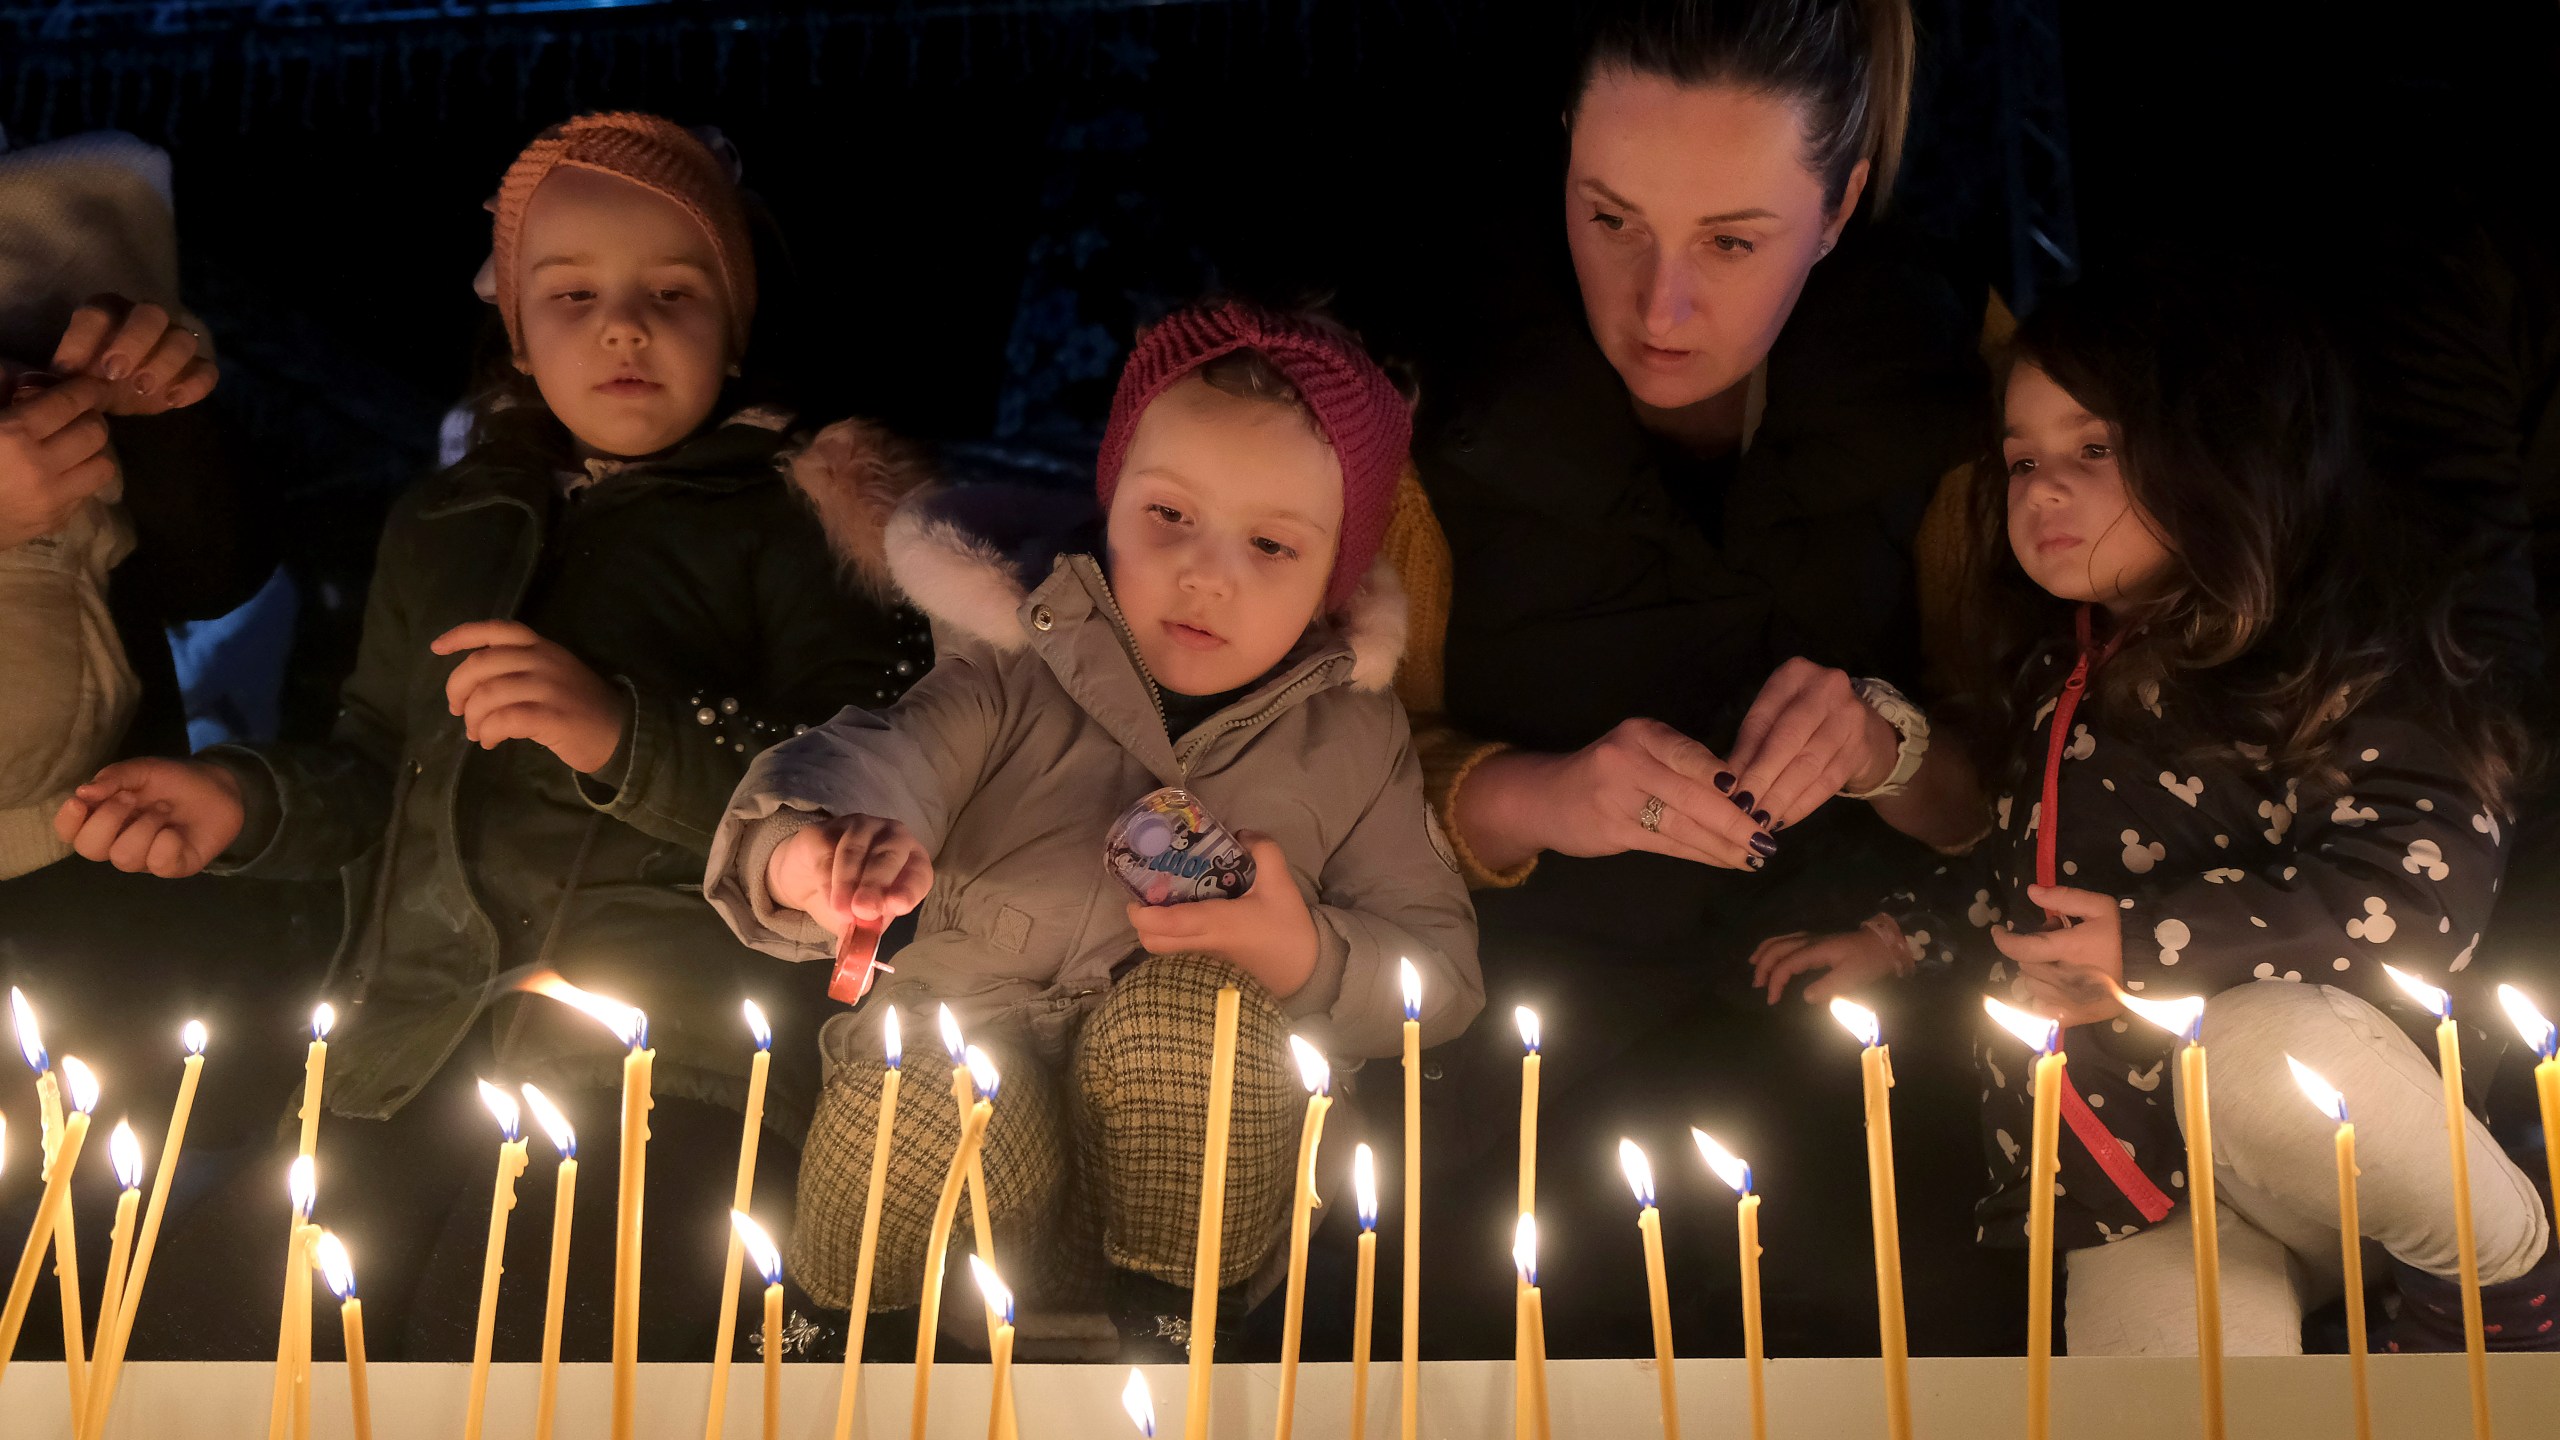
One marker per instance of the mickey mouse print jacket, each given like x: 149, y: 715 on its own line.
x: 2226, y: 875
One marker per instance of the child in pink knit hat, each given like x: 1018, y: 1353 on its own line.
x: 1233, y: 636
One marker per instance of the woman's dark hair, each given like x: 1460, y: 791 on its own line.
x: 2292, y: 599
x: 1844, y: 64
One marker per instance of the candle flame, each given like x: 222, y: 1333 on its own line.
x: 83, y: 1083
x: 2182, y: 1018
x: 2538, y: 1032
x: 335, y: 1268
x: 893, y: 1040
x: 999, y: 1295
x: 1524, y: 1249
x: 1411, y: 980
x: 2438, y: 1003
x: 1631, y: 1159
x: 2040, y: 1034
x: 757, y: 1026
x: 124, y: 1151
x: 554, y: 1124
x: 759, y: 1245
x: 982, y: 1073
x: 1858, y: 1019
x: 1732, y: 1169
x: 1313, y: 1070
x: 502, y: 1105
x: 302, y: 1182
x: 1364, y: 1185
x: 1140, y: 1402
x: 627, y: 1022
x: 324, y: 1018
x: 2322, y: 1093
x: 193, y: 1036
x: 1528, y: 1021
x: 30, y: 1039
x: 951, y: 1039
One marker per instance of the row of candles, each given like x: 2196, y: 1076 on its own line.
x: 93, y: 1369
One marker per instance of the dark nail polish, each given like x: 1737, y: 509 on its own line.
x: 1725, y: 781
x: 1764, y: 845
x: 1760, y: 818
x: 1742, y: 800
x: 1755, y: 862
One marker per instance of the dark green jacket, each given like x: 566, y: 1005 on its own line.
x: 704, y: 584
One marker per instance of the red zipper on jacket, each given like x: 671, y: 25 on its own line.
x: 2102, y: 1145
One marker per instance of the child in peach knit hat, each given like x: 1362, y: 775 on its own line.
x: 577, y: 638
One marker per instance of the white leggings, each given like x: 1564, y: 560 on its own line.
x: 2275, y: 1178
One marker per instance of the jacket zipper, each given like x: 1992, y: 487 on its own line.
x: 1129, y: 637
x: 1199, y: 743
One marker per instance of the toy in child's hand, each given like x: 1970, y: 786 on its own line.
x: 1169, y: 850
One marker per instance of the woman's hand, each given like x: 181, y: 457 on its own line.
x: 168, y: 818
x: 145, y: 362
x: 515, y: 685
x: 1267, y: 932
x: 1851, y: 960
x: 2072, y: 973
x: 1595, y: 802
x: 848, y: 871
x: 1808, y: 737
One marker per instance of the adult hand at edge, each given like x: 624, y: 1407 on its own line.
x: 1807, y: 737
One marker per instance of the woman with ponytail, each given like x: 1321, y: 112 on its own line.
x: 1679, y: 502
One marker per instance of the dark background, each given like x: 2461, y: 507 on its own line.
x: 981, y: 199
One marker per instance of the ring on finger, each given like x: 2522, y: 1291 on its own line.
x: 1650, y: 817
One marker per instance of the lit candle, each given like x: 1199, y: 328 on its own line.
x: 1317, y: 1076
x: 341, y: 1275
x: 1529, y: 1348
x: 315, y: 1065
x: 963, y: 1094
x: 1364, y: 1191
x: 1000, y: 1373
x: 502, y: 1201
x: 66, y: 1267
x: 1731, y: 1169
x: 1213, y: 1215
x: 2044, y: 1036
x: 2350, y: 1236
x: 2449, y: 1058
x: 1528, y: 1022
x: 564, y: 1191
x: 1140, y: 1402
x: 1875, y: 1061
x: 75, y: 1134
x: 108, y: 1364
x: 742, y: 1196
x: 973, y: 1130
x: 2185, y: 1019
x: 2544, y: 1038
x: 1410, y: 1401
x: 630, y: 1026
x: 1639, y: 1170
x: 293, y: 1339
x: 891, y: 1048
x: 124, y: 1151
x: 753, y: 1238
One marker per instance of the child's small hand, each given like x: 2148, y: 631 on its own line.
x: 1854, y: 960
x: 515, y: 685
x: 2072, y: 971
x: 148, y: 362
x: 850, y: 870
x: 161, y: 817
x: 53, y: 457
x: 1268, y: 932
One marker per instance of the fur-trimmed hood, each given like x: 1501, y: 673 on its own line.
x: 969, y: 557
x: 854, y: 473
